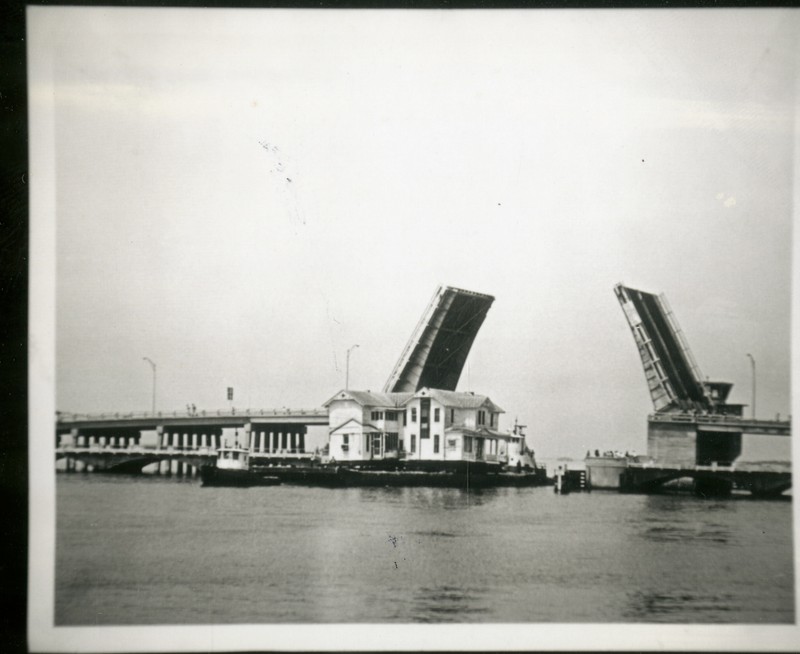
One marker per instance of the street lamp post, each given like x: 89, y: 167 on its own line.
x: 347, y: 374
x: 753, y: 367
x: 153, y: 366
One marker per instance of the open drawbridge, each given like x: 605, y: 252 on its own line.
x: 437, y: 350
x: 672, y: 375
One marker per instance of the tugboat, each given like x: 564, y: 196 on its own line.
x: 232, y: 468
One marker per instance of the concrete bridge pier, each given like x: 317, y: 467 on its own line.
x: 265, y: 439
x: 189, y: 438
x: 116, y: 439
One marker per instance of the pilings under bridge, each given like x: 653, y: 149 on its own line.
x: 181, y: 442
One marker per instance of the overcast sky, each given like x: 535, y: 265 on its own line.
x: 243, y: 195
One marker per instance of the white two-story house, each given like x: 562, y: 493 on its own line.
x: 431, y: 428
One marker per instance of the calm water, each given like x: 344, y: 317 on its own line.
x: 152, y: 550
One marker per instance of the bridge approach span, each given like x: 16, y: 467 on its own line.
x: 221, y: 418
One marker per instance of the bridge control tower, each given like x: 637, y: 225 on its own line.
x: 693, y: 423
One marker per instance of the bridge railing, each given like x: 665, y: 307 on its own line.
x: 717, y: 419
x: 132, y: 449
x: 68, y: 417
x: 107, y: 448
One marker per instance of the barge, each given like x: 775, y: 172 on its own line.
x: 466, y: 477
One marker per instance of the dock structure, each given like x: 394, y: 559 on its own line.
x: 113, y: 441
x: 694, y: 432
x: 707, y: 480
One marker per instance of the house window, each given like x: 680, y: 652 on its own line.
x: 345, y: 441
x: 405, y: 418
x: 368, y: 439
x: 491, y: 420
x: 436, y: 415
x: 424, y: 418
x: 452, y: 416
x: 413, y: 442
x: 481, y: 417
x: 413, y: 415
x: 467, y: 444
x: 436, y: 443
x: 391, y: 415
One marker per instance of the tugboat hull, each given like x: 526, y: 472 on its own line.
x: 213, y: 476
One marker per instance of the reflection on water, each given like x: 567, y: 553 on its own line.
x: 714, y: 533
x: 149, y: 550
x: 671, y: 606
x: 434, y: 533
x: 447, y: 604
x: 424, y: 498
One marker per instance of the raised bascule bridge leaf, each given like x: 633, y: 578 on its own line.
x: 672, y: 375
x: 438, y: 348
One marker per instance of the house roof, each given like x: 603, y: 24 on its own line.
x: 369, y: 426
x: 455, y: 399
x: 459, y: 400
x: 369, y: 398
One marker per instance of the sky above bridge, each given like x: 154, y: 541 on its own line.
x: 241, y: 196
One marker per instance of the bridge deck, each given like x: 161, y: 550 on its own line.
x: 219, y: 418
x: 726, y: 423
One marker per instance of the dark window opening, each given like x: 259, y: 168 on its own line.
x: 722, y: 448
